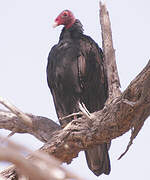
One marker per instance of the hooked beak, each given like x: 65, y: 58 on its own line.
x: 55, y: 24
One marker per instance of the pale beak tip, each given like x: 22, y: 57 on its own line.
x: 55, y: 24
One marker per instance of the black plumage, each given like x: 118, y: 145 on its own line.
x: 76, y: 73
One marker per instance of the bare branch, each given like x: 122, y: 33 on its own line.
x: 71, y: 115
x: 114, y: 120
x: 42, y: 127
x: 109, y: 54
x: 84, y: 110
x: 127, y: 111
x: 23, y: 117
x: 39, y: 167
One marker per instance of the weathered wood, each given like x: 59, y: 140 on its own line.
x: 25, y: 119
x: 109, y: 54
x: 42, y: 127
x: 40, y: 166
x: 122, y: 114
x: 130, y: 110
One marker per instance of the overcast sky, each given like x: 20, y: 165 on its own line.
x: 26, y: 37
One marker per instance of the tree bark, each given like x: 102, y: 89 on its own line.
x: 42, y: 128
x: 128, y: 111
x: 109, y: 54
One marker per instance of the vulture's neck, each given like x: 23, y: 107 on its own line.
x: 75, y: 31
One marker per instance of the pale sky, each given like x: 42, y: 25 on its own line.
x: 26, y: 37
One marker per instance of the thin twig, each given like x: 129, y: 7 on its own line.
x: 71, y: 115
x: 84, y: 111
x: 11, y: 134
x: 23, y: 117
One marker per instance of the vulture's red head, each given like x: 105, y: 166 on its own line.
x: 65, y: 18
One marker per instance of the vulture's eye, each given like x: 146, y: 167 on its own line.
x: 65, y: 14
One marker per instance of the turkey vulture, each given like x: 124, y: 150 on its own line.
x: 76, y: 73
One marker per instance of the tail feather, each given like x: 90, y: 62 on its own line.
x: 98, y: 159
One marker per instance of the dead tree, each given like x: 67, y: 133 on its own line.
x: 122, y: 112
